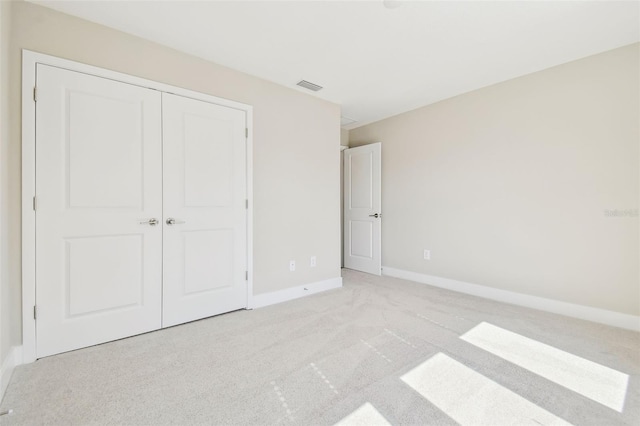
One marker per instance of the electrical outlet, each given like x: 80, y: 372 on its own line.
x: 312, y: 263
x: 292, y: 265
x: 427, y: 255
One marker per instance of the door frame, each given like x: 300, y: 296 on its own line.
x: 30, y: 60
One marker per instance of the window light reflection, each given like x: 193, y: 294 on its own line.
x: 366, y: 415
x: 470, y: 398
x: 594, y: 381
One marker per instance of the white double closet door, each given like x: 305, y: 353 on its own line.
x: 141, y: 219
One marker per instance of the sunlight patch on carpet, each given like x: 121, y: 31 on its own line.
x: 366, y: 415
x: 594, y: 381
x: 470, y: 398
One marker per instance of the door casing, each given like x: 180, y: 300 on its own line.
x: 29, y: 96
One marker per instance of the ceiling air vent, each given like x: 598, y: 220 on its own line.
x: 309, y: 85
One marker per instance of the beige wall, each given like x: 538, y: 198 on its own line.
x: 296, y: 139
x: 8, y: 294
x: 5, y: 289
x: 508, y: 185
x: 344, y: 137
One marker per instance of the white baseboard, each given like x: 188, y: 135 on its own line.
x: 602, y: 316
x: 13, y: 359
x: 266, y: 299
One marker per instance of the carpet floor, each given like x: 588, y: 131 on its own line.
x: 378, y: 351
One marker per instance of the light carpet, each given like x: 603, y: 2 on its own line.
x: 378, y: 351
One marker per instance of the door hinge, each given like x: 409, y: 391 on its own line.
x: 34, y: 203
x: 246, y: 132
x: 246, y: 204
x: 35, y: 94
x: 246, y: 275
x: 35, y: 312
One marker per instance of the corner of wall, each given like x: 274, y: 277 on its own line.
x: 11, y: 361
x: 344, y: 137
x: 291, y: 293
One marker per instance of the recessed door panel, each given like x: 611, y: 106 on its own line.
x: 205, y: 237
x: 104, y: 137
x: 104, y: 273
x: 361, y: 182
x: 98, y: 182
x: 208, y: 161
x: 361, y: 234
x: 208, y: 260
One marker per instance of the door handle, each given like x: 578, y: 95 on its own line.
x: 375, y: 215
x: 172, y: 221
x: 151, y: 222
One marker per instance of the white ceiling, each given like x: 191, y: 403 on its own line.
x: 373, y: 60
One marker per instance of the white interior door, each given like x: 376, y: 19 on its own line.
x: 205, y: 211
x: 98, y: 183
x: 362, y: 208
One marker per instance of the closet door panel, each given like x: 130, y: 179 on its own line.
x: 98, y: 182
x: 205, y: 247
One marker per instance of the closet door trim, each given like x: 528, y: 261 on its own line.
x: 30, y: 60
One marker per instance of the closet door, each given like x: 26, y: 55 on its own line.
x: 205, y: 216
x: 98, y: 189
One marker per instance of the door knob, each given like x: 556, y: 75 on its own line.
x: 150, y: 222
x: 375, y: 215
x: 172, y: 221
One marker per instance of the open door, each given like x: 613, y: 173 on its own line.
x: 362, y: 208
